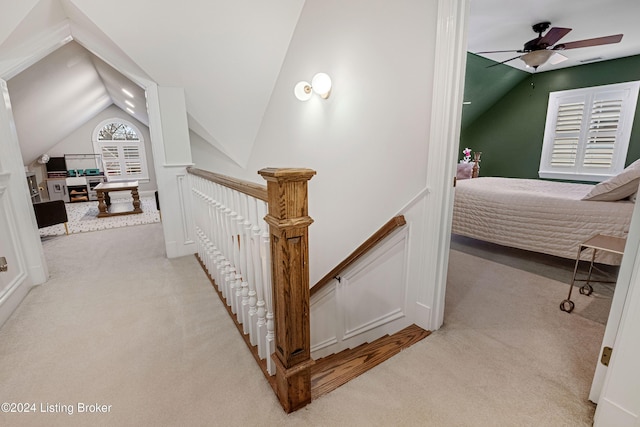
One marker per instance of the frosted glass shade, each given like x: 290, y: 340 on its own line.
x: 537, y: 57
x: 321, y: 84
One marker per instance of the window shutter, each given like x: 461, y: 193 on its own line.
x: 133, y: 165
x: 131, y: 152
x: 603, y: 132
x: 567, y: 134
x: 587, y: 132
x: 110, y: 159
x: 122, y: 149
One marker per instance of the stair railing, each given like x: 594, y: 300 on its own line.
x: 384, y: 231
x: 253, y: 243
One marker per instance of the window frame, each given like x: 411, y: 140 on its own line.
x: 120, y: 144
x: 628, y: 91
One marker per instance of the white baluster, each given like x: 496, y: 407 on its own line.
x: 196, y: 203
x: 220, y: 239
x: 230, y: 252
x: 205, y: 255
x: 211, y: 237
x: 260, y: 280
x: 215, y: 233
x: 250, y: 307
x: 265, y: 250
x: 244, y: 289
x: 239, y: 255
x: 224, y: 244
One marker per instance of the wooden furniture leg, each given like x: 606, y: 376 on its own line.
x: 136, y: 200
x: 102, y: 206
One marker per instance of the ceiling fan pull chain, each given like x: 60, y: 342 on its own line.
x: 533, y: 84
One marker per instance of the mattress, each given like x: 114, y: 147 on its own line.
x: 536, y: 215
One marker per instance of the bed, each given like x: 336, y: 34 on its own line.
x: 544, y: 216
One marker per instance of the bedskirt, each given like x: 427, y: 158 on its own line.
x: 536, y: 215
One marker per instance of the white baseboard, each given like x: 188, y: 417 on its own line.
x: 12, y: 299
x: 610, y: 414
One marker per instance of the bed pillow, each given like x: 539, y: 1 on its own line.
x: 617, y: 187
x: 465, y: 171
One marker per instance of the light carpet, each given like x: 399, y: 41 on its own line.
x: 595, y: 307
x: 83, y: 216
x: 121, y: 325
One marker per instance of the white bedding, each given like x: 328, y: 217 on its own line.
x: 536, y: 215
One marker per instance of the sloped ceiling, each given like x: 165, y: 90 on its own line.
x: 506, y: 25
x: 61, y: 92
x: 226, y: 56
x: 485, y: 83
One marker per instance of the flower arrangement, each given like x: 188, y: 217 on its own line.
x: 467, y: 155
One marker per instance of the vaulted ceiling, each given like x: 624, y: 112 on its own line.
x: 59, y: 93
x: 66, y: 60
x: 226, y: 56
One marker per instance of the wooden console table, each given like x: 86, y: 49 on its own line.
x: 104, y: 201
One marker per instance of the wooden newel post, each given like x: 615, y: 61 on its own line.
x: 289, y: 221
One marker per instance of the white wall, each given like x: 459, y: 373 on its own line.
x: 80, y: 141
x: 368, y: 141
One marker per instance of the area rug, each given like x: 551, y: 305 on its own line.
x: 83, y: 217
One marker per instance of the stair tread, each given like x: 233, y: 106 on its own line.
x: 332, y: 371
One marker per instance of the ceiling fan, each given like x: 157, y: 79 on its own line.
x: 538, y: 51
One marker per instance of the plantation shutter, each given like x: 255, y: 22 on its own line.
x: 567, y: 134
x: 122, y: 150
x: 603, y: 132
x: 587, y: 132
x: 111, y: 160
x: 133, y: 165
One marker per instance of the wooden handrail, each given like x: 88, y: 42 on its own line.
x: 371, y: 242
x: 252, y: 189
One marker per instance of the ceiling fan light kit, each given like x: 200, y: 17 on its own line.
x: 536, y: 58
x: 538, y: 51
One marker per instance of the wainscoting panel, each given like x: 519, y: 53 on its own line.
x: 367, y: 302
x: 324, y: 315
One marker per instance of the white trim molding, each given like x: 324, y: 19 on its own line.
x: 444, y: 138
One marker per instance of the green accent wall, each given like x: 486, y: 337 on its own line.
x: 510, y: 132
x: 486, y: 82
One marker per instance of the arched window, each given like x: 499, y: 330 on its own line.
x: 121, y: 147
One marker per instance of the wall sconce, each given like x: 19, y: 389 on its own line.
x: 320, y: 84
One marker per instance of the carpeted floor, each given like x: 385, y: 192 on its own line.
x: 595, y: 307
x: 83, y: 217
x: 120, y: 325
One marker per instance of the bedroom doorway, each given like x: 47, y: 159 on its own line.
x: 611, y: 312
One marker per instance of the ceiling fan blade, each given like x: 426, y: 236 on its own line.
x: 498, y: 63
x: 498, y: 51
x: 589, y: 42
x: 553, y: 35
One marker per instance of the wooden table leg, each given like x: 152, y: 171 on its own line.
x: 136, y: 200
x: 102, y: 207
